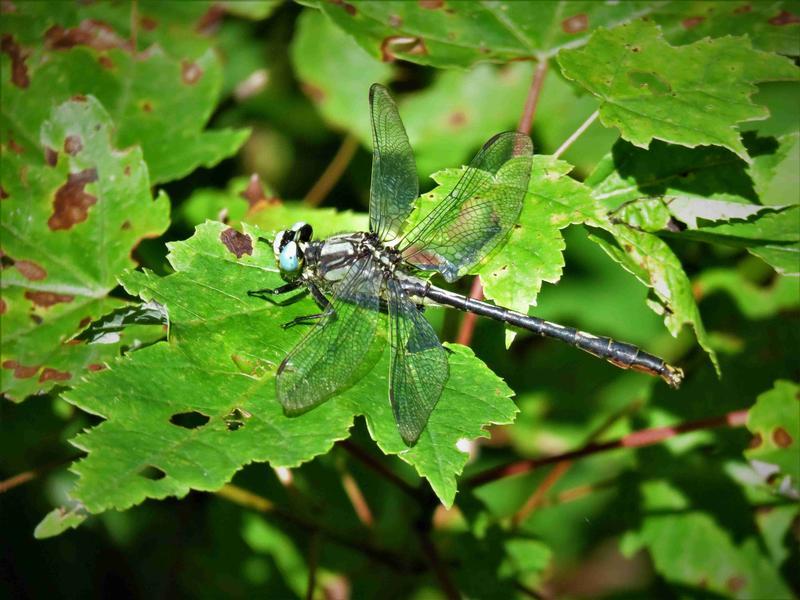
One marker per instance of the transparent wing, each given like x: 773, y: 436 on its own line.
x: 394, y: 172
x: 478, y: 214
x: 332, y: 356
x: 419, y: 367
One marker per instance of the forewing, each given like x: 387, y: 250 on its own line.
x: 478, y: 213
x: 331, y: 357
x: 419, y: 367
x: 394, y: 172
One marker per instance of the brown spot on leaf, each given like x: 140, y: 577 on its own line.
x: 50, y: 156
x: 90, y: 32
x: 3, y: 193
x: 125, y: 225
x: 692, y: 22
x: 575, y: 24
x: 127, y: 170
x: 238, y: 243
x: 784, y: 18
x: 73, y: 145
x: 47, y: 299
x: 82, y: 98
x: 349, y: 8
x: 746, y: 8
x: 96, y: 367
x: 211, y: 19
x: 21, y: 371
x: 50, y: 374
x: 30, y: 270
x: 781, y: 437
x: 190, y: 72
x: 84, y: 322
x: 254, y: 192
x: 735, y: 583
x: 19, y: 71
x: 457, y: 119
x: 431, y: 4
x: 7, y: 7
x: 38, y: 320
x: 106, y: 62
x: 14, y: 146
x: 146, y: 106
x: 316, y: 94
x: 3, y: 307
x: 395, y: 21
x: 148, y: 23
x: 72, y: 203
x: 405, y: 44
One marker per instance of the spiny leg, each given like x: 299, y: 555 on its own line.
x: 265, y: 293
x: 321, y: 301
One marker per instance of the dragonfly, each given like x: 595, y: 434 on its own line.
x: 374, y: 285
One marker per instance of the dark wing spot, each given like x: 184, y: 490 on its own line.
x: 73, y: 145
x: 30, y: 270
x: 19, y: 71
x: 21, y: 371
x: 152, y: 473
x: 575, y: 24
x: 47, y: 299
x: 692, y: 22
x: 90, y: 32
x: 404, y: 44
x: 784, y: 18
x: 190, y: 72
x: 238, y: 243
x: 72, y: 203
x: 189, y: 420
x: 781, y: 437
x: 54, y: 375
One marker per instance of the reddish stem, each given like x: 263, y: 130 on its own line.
x: 637, y: 439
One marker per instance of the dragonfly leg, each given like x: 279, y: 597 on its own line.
x: 303, y: 320
x: 318, y: 296
x: 266, y: 292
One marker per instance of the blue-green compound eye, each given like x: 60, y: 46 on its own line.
x: 289, y: 261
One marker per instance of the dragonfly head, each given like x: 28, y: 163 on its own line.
x: 289, y: 247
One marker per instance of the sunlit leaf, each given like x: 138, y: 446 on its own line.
x: 653, y: 263
x: 774, y: 421
x: 159, y: 101
x: 690, y: 95
x: 458, y: 34
x: 74, y: 206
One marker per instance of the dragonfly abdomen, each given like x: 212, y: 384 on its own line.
x: 620, y: 354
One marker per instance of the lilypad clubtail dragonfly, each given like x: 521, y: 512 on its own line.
x: 362, y: 280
